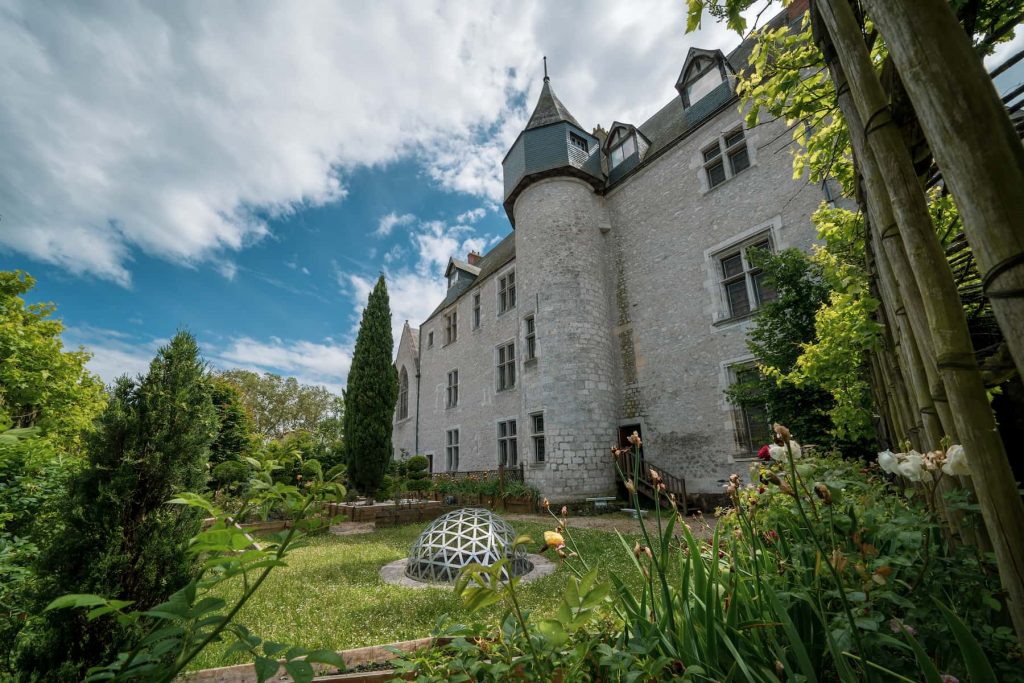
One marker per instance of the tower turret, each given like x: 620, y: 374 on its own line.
x: 552, y: 144
x: 563, y: 261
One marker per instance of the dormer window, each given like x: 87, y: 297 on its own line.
x: 623, y: 150
x: 453, y: 277
x: 703, y: 83
x: 703, y: 71
x: 579, y: 141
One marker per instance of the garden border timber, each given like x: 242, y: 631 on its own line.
x: 361, y: 656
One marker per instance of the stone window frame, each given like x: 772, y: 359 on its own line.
x: 505, y: 366
x: 730, y: 425
x: 476, y: 310
x: 506, y: 291
x: 403, y: 395
x: 720, y: 311
x: 451, y: 449
x: 451, y: 326
x: 430, y: 339
x: 507, y: 431
x: 716, y: 153
x: 537, y: 438
x: 530, y: 338
x: 452, y: 389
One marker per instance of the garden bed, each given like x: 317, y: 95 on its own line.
x: 372, y: 662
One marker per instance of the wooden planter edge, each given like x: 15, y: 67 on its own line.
x: 373, y: 654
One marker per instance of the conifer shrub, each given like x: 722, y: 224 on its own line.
x: 417, y: 476
x: 370, y: 396
x: 118, y: 535
x: 229, y: 474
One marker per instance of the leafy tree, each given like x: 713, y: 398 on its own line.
x: 781, y: 329
x: 280, y: 405
x: 370, y: 395
x: 47, y: 400
x: 119, y: 536
x: 42, y: 384
x: 235, y: 436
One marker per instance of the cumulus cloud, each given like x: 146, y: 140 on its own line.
x: 177, y: 129
x: 325, y: 363
x: 388, y: 222
x: 471, y: 216
x: 114, y: 353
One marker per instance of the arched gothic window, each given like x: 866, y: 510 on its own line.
x: 403, y: 394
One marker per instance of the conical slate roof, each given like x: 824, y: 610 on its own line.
x: 549, y: 109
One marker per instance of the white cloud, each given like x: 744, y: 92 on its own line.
x: 416, y: 290
x: 114, y: 353
x: 325, y: 363
x: 176, y: 128
x: 388, y: 222
x: 227, y: 269
x: 471, y: 216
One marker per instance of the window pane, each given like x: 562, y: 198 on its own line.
x: 739, y: 301
x: 712, y: 152
x: 734, y: 138
x: 616, y: 157
x: 538, y: 424
x: 732, y: 265
x: 763, y: 292
x: 716, y: 174
x: 739, y: 160
x: 629, y: 146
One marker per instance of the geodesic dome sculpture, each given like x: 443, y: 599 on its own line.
x: 459, y: 538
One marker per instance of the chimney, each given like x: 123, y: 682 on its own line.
x: 795, y: 10
x: 473, y: 258
x: 600, y: 133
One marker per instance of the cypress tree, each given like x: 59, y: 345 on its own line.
x: 236, y: 436
x: 370, y: 395
x: 119, y: 537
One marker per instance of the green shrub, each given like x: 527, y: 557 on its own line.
x: 230, y: 472
x: 119, y: 537
x: 311, y: 469
x: 417, y: 476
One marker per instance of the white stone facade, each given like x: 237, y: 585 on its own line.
x: 625, y: 287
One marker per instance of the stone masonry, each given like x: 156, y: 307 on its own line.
x: 622, y: 275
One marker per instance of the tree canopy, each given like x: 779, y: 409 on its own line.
x: 279, y: 405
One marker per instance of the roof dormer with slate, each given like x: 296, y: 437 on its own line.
x: 704, y: 71
x: 625, y: 147
x: 460, y: 272
x: 553, y: 143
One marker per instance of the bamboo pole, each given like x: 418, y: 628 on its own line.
x: 1001, y: 505
x: 973, y: 141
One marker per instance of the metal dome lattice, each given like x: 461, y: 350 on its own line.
x: 459, y: 538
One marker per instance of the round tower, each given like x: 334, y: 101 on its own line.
x: 565, y: 272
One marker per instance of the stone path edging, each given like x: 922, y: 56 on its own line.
x: 394, y: 573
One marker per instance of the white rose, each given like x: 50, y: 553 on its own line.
x: 888, y: 462
x: 912, y: 466
x: 776, y: 452
x: 956, y: 462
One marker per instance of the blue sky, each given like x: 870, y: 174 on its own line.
x: 245, y: 170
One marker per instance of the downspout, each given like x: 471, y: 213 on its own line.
x: 416, y: 428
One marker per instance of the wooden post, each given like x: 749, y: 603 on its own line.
x: 997, y: 492
x: 973, y: 141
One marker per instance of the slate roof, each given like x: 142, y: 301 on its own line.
x: 503, y: 252
x: 549, y: 110
x: 672, y: 122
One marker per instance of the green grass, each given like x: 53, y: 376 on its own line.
x: 331, y: 596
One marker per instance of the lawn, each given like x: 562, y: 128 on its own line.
x: 331, y: 596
